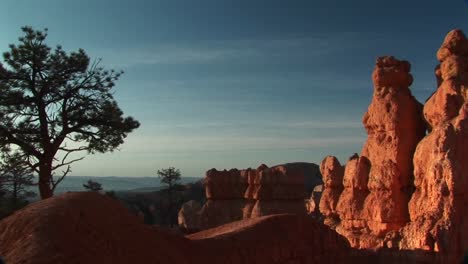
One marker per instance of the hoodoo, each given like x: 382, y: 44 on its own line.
x: 438, y: 213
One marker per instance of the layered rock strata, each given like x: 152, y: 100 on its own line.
x: 225, y: 197
x: 280, y: 189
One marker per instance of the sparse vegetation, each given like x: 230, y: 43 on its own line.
x: 16, y: 178
x: 171, y: 178
x: 92, y: 186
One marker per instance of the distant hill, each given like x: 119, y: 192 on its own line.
x: 113, y: 183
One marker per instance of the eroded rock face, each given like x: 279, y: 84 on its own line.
x: 350, y: 207
x: 377, y: 185
x: 225, y: 197
x: 225, y: 184
x: 438, y: 213
x: 394, y: 125
x: 240, y: 194
x: 279, y: 183
x: 332, y: 174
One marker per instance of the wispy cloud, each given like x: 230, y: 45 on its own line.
x: 325, y: 124
x: 213, y: 51
x: 196, y: 144
x: 317, y: 124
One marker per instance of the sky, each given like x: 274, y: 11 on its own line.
x: 236, y: 83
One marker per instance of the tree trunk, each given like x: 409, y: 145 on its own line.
x: 45, y: 173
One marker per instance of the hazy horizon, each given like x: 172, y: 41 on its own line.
x: 233, y: 84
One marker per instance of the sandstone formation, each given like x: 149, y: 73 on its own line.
x: 377, y: 184
x: 394, y: 125
x: 332, y: 173
x: 188, y: 217
x: 277, y: 190
x: 241, y: 194
x: 350, y: 207
x: 438, y: 213
x: 225, y: 197
x: 407, y: 190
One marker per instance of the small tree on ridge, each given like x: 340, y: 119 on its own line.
x: 93, y: 186
x: 170, y: 177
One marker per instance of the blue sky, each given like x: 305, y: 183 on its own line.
x: 236, y: 83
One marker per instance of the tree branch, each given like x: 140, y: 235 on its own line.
x: 55, y: 183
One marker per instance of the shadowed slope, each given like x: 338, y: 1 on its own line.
x: 86, y: 228
x: 273, y: 239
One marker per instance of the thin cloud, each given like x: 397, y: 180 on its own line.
x: 325, y: 124
x: 215, y: 51
x: 334, y: 124
x: 215, y: 144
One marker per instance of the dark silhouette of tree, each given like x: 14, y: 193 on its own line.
x: 170, y: 177
x: 54, y: 105
x: 93, y: 186
x: 17, y: 179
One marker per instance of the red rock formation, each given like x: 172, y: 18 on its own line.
x: 225, y: 197
x: 279, y: 189
x: 350, y: 207
x: 225, y: 185
x: 439, y: 219
x: 332, y: 175
x: 234, y: 195
x: 377, y: 185
x: 279, y: 183
x: 394, y: 125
